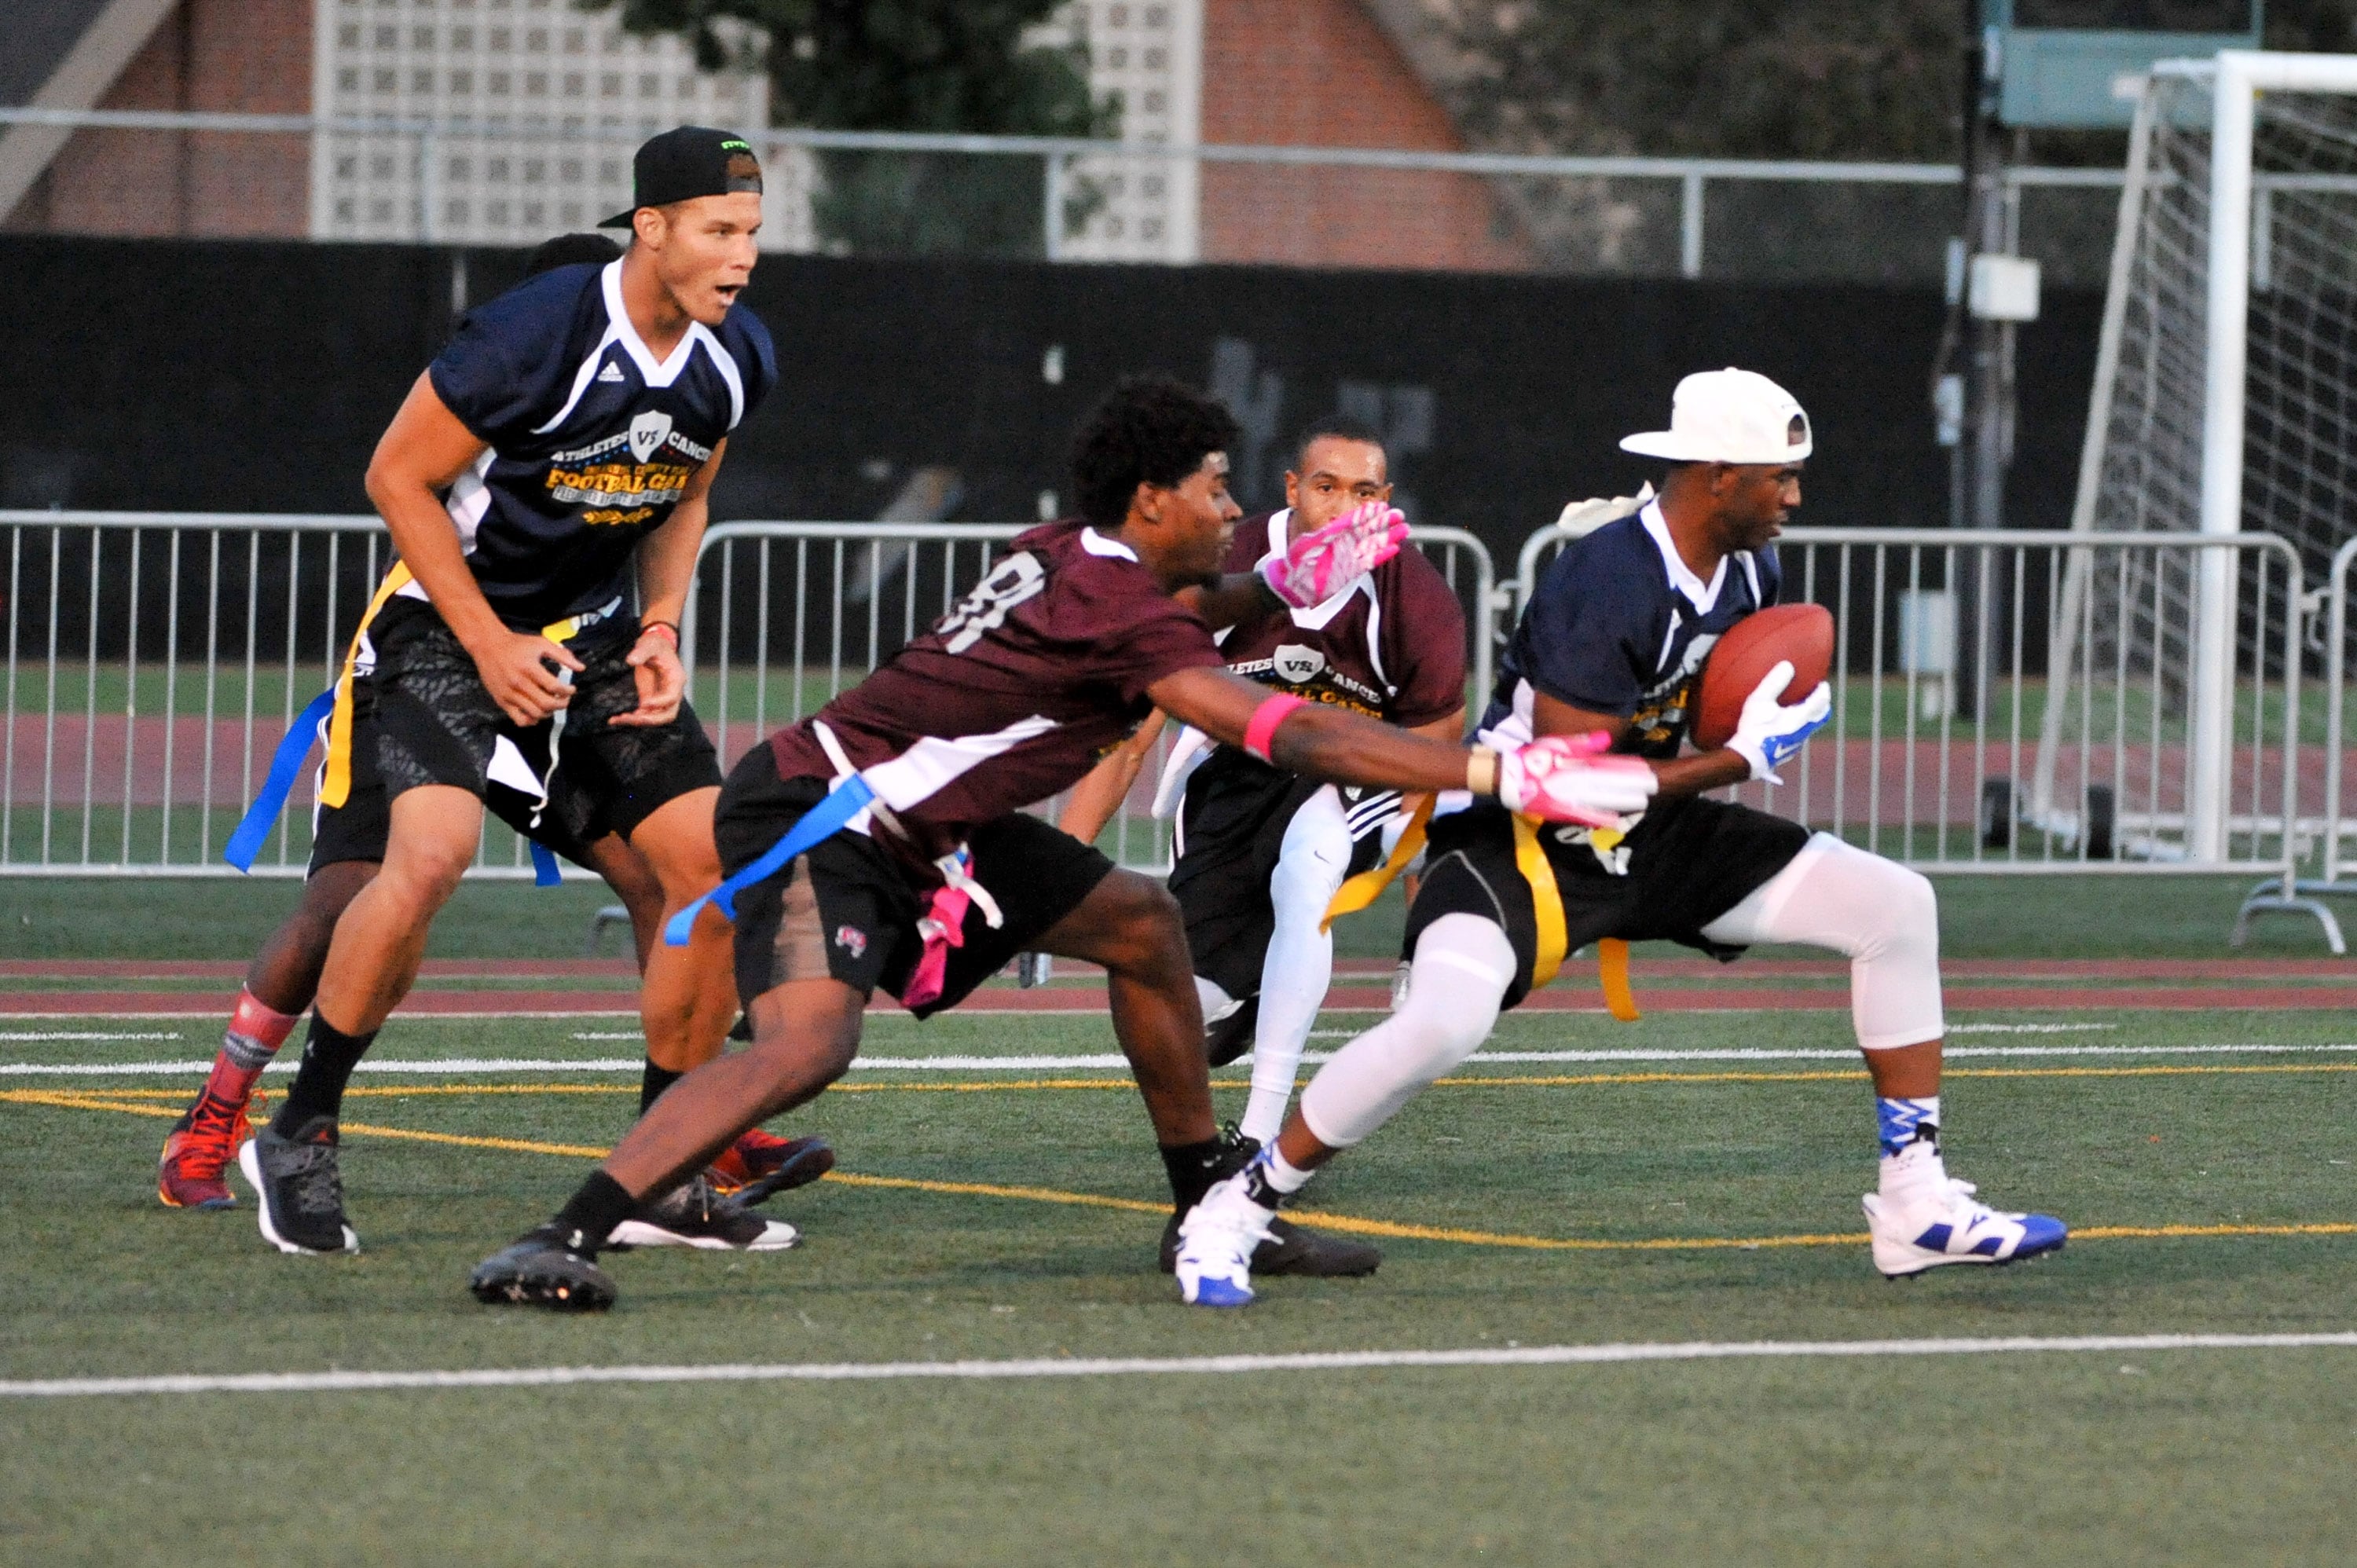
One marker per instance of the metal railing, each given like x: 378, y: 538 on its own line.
x: 1074, y: 174
x: 787, y: 614
x: 150, y: 662
x: 2334, y: 878
x: 1946, y: 661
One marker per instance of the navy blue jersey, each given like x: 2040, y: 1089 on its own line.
x: 592, y: 440
x: 1620, y: 624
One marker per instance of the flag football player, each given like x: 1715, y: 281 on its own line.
x: 347, y: 846
x: 1611, y: 646
x: 881, y: 843
x: 561, y: 445
x: 1260, y: 852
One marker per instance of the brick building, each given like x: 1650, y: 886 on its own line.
x: 1275, y: 72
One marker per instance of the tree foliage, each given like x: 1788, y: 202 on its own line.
x: 969, y: 66
x: 1771, y: 79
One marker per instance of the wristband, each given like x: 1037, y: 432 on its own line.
x: 1481, y: 770
x: 1262, y: 729
x: 646, y: 626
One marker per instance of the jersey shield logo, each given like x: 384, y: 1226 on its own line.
x: 1294, y: 663
x: 648, y: 432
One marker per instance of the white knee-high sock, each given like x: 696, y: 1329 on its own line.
x: 1463, y: 966
x: 1880, y: 916
x: 1299, y: 964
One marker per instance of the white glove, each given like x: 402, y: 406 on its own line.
x: 1567, y: 778
x: 1770, y: 731
x: 1316, y: 566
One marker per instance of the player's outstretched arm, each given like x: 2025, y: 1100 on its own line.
x: 424, y: 451
x: 1560, y: 779
x: 666, y: 573
x: 1322, y: 742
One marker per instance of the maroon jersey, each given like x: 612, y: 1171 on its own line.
x: 1011, y: 696
x: 1392, y: 645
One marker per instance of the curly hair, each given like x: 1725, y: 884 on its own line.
x: 1148, y: 429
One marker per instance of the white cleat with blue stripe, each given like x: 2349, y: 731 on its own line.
x: 1928, y: 1218
x: 1215, y: 1246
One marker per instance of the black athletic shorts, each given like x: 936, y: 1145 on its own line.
x: 437, y: 723
x: 357, y: 830
x: 1690, y: 861
x: 847, y: 909
x: 1231, y: 827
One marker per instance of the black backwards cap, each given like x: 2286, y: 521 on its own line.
x: 687, y: 162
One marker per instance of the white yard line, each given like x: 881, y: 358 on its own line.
x: 1135, y: 1366
x: 23, y: 1037
x: 428, y: 1064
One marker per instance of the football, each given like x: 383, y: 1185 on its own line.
x: 1742, y: 658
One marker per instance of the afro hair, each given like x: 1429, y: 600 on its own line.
x: 1148, y: 429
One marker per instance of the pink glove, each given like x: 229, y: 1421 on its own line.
x: 1316, y: 566
x: 1567, y: 778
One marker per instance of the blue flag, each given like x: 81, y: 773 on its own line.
x: 818, y: 824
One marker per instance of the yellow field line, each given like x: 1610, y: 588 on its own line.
x: 97, y: 1101
x: 1318, y: 1217
x: 988, y: 1189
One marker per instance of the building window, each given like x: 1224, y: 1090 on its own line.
x: 381, y: 56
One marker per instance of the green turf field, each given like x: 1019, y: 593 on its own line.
x: 2178, y: 1456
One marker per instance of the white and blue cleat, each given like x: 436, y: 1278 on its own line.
x: 1215, y: 1246
x: 1940, y: 1221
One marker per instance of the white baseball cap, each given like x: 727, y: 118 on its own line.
x: 1728, y: 416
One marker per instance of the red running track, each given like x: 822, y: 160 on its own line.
x: 1090, y: 999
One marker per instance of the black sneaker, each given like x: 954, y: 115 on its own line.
x: 301, y: 1193
x: 1234, y: 1035
x: 694, y: 1216
x: 547, y: 1267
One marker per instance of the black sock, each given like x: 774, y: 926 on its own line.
x: 596, y: 1205
x: 329, y: 1057
x: 653, y: 1081
x: 1193, y: 1169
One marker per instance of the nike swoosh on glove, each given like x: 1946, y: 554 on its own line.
x: 1770, y: 730
x: 1316, y: 566
x: 1567, y: 778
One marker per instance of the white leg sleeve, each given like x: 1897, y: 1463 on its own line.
x: 1462, y: 967
x: 1880, y: 915
x: 1300, y: 965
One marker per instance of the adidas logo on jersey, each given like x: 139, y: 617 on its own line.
x: 612, y: 372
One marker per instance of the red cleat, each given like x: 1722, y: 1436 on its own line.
x: 198, y: 1150
x: 776, y: 1163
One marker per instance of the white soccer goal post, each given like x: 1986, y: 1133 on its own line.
x: 2225, y: 391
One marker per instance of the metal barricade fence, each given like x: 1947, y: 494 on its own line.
x: 787, y: 614
x: 152, y: 661
x: 2334, y: 878
x: 1990, y: 717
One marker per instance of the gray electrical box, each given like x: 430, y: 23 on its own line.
x: 2058, y: 59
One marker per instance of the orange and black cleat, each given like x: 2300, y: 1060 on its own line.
x: 197, y: 1152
